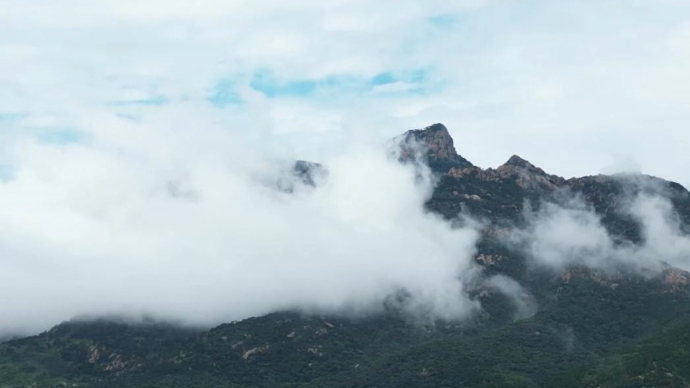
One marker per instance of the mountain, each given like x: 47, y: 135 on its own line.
x: 435, y: 145
x: 591, y: 327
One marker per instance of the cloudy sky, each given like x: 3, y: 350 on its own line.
x: 578, y: 87
x: 137, y: 139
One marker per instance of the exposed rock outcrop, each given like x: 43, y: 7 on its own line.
x: 524, y: 173
x: 433, y: 144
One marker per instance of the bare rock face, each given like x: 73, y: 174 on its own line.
x: 519, y: 162
x: 246, y: 355
x: 437, y: 141
x: 525, y: 174
x: 308, y: 173
x: 117, y: 363
x: 435, y: 144
x: 528, y: 175
x: 436, y: 147
x: 676, y: 279
x: 94, y: 354
x: 301, y: 174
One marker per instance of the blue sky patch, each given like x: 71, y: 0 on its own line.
x: 333, y: 85
x: 414, y: 76
x: 6, y: 173
x: 337, y: 85
x: 153, y: 101
x: 60, y: 136
x: 266, y: 83
x: 417, y: 82
x: 383, y: 79
x: 445, y: 21
x: 12, y: 116
x: 225, y: 94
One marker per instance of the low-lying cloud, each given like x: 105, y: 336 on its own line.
x: 151, y: 227
x: 206, y: 226
x: 572, y: 234
x: 525, y: 304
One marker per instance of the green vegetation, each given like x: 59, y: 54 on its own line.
x: 585, y: 333
x: 591, y: 330
x: 660, y: 359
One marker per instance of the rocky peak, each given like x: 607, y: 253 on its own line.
x: 517, y: 161
x: 517, y: 169
x: 301, y: 173
x: 437, y: 146
x: 529, y: 175
x: 436, y: 139
x: 308, y: 172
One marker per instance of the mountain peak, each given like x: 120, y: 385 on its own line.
x: 438, y: 127
x: 437, y: 146
x: 517, y: 161
x: 528, y: 175
x: 436, y: 138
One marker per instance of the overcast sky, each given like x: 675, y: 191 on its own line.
x: 577, y: 87
x: 139, y: 140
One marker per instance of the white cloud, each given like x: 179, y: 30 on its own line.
x: 568, y: 86
x: 560, y: 84
x: 91, y: 228
x: 562, y: 236
x: 662, y: 231
x: 525, y: 304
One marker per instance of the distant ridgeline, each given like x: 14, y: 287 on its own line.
x: 614, y: 327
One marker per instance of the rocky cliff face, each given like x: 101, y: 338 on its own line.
x: 524, y: 173
x: 435, y: 146
x: 500, y: 193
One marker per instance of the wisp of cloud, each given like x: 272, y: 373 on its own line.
x: 572, y: 234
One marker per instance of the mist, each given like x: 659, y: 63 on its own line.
x: 204, y: 226
x: 525, y: 304
x: 143, y: 223
x: 570, y: 233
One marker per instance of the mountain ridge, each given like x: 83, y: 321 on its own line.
x: 585, y: 319
x: 438, y: 145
